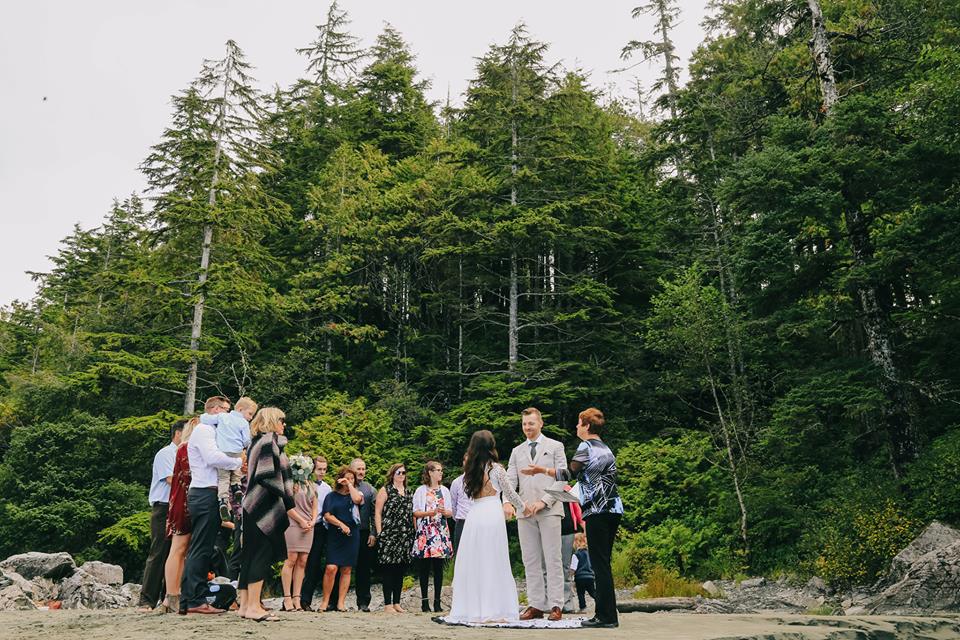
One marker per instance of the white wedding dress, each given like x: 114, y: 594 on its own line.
x: 484, y: 590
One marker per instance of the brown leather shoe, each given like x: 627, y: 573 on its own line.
x: 205, y: 608
x: 555, y: 614
x: 530, y: 613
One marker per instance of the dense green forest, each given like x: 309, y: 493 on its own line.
x: 755, y: 276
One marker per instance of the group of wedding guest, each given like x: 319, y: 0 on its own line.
x: 324, y: 535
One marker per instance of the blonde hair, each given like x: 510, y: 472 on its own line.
x: 533, y: 411
x: 580, y: 540
x: 267, y: 420
x: 188, y: 429
x: 245, y: 403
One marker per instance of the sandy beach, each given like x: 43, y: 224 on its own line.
x: 128, y: 624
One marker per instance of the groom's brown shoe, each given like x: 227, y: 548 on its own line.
x: 555, y: 614
x: 530, y: 613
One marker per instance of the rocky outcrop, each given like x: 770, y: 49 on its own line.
x: 12, y: 597
x: 96, y: 587
x: 931, y: 583
x: 935, y: 536
x: 759, y: 594
x: 53, y: 566
x: 29, y: 580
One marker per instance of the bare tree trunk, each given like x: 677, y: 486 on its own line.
x: 820, y: 47
x: 731, y: 459
x: 189, y: 398
x: 514, y: 327
x: 460, y: 330
x: 900, y: 402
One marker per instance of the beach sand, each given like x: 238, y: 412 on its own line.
x: 128, y: 624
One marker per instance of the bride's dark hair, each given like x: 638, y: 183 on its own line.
x: 481, y: 451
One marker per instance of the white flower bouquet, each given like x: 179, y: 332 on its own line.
x: 301, y: 469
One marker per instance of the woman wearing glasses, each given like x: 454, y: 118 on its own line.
x: 432, y: 505
x: 393, y: 523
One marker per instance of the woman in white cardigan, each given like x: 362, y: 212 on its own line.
x: 433, y: 545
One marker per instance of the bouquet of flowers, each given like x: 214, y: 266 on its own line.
x: 301, y: 468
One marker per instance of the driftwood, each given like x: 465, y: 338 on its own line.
x: 656, y: 604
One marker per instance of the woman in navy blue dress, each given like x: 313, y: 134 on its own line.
x: 343, y: 537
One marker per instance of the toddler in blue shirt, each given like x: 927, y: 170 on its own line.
x: 233, y: 437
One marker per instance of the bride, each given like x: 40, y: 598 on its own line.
x: 483, y: 586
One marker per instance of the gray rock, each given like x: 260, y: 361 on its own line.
x: 935, y: 536
x: 40, y: 565
x: 103, y: 572
x: 817, y: 584
x: 855, y: 611
x: 711, y: 588
x: 931, y: 583
x: 12, y: 598
x: 752, y: 583
x: 84, y: 590
x: 38, y: 589
x: 131, y: 591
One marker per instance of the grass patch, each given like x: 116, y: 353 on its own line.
x: 664, y: 583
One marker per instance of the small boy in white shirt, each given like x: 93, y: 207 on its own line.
x: 233, y: 437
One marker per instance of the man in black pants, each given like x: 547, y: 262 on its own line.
x: 204, y: 508
x: 159, y: 504
x: 313, y: 575
x: 367, y: 555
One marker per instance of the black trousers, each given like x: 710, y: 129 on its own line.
x: 313, y: 575
x: 583, y: 588
x: 601, y: 531
x: 457, y: 532
x: 392, y: 582
x: 434, y: 566
x: 365, y: 561
x: 152, y: 588
x: 204, y: 512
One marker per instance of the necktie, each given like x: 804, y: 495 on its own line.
x: 533, y: 450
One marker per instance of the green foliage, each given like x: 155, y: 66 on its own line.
x: 856, y: 544
x: 932, y: 481
x: 126, y: 542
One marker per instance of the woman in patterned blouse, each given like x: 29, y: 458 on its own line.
x: 595, y: 466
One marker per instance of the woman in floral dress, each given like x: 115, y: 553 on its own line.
x: 432, y: 505
x: 393, y: 522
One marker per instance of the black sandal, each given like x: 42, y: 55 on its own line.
x: 295, y: 607
x: 283, y: 605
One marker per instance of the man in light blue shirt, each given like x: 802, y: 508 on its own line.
x: 159, y: 504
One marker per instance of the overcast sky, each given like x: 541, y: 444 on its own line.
x: 85, y: 86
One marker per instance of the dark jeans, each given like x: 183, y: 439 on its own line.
x: 313, y: 575
x: 601, y: 531
x: 583, y: 588
x: 152, y: 588
x: 457, y: 532
x: 434, y: 566
x: 365, y: 560
x: 392, y: 582
x: 204, y: 512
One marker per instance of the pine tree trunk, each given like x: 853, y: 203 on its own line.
x: 900, y: 401
x: 820, y: 47
x: 513, y: 329
x: 189, y: 400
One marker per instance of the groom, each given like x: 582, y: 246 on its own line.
x: 539, y: 525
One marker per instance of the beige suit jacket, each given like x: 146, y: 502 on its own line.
x: 550, y: 453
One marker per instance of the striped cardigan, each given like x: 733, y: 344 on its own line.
x: 269, y: 486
